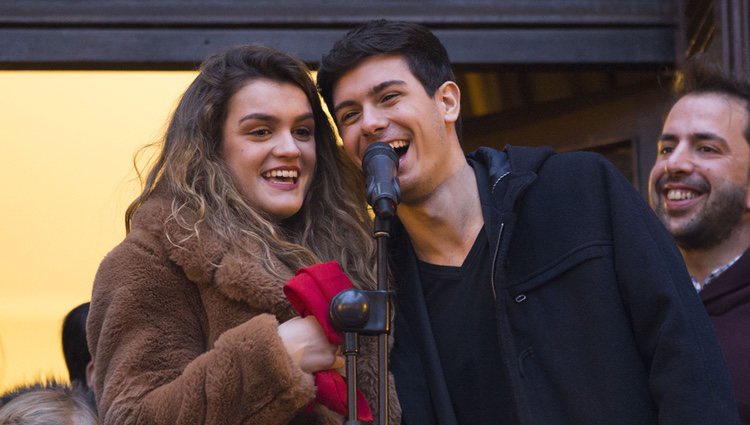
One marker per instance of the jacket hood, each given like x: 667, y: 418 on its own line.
x: 513, y: 159
x: 502, y: 179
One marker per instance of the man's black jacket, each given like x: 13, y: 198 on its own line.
x: 597, y: 319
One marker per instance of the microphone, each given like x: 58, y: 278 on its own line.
x: 380, y: 165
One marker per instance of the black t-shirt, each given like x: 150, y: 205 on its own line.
x: 461, y: 307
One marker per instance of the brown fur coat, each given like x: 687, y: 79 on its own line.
x: 188, y: 335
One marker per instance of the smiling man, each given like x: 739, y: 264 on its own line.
x: 531, y: 287
x: 700, y: 189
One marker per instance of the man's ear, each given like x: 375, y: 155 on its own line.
x: 448, y: 97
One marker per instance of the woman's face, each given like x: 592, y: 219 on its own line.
x: 269, y: 145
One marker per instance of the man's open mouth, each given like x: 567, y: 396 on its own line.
x: 680, y: 194
x: 400, y: 146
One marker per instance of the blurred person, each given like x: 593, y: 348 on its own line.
x: 76, y: 351
x: 188, y: 322
x: 531, y: 287
x: 48, y: 383
x: 49, y: 406
x: 700, y: 189
x: 75, y: 348
x: 77, y: 360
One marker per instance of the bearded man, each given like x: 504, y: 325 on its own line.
x: 700, y: 189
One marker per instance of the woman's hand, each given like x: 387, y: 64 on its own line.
x: 308, y: 346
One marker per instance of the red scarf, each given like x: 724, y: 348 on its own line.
x: 310, y: 291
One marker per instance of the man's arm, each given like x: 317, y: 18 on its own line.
x: 688, y: 378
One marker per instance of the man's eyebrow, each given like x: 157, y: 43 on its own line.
x: 385, y: 84
x: 374, y: 90
x: 667, y: 137
x: 707, y: 135
x: 343, y: 104
x: 702, y: 135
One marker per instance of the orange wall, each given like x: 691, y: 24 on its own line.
x: 67, y: 140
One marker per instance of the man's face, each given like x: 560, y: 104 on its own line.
x: 380, y: 100
x: 699, y: 184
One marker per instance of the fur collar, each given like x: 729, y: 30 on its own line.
x: 235, y: 271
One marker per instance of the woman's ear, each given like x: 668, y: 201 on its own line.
x: 448, y: 97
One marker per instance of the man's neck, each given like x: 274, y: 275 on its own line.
x: 700, y: 263
x: 444, y: 226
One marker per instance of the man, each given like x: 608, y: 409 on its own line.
x: 531, y: 287
x: 700, y: 189
x: 75, y: 350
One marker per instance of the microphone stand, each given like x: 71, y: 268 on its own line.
x: 357, y: 311
x: 381, y: 234
x: 351, y: 351
x: 354, y: 312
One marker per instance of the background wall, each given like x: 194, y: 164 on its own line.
x: 67, y: 141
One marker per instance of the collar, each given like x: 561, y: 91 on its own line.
x: 206, y: 260
x: 730, y: 289
x: 714, y: 274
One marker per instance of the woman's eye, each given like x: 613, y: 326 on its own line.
x: 302, y: 133
x: 260, y: 132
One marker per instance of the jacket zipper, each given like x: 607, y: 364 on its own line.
x: 494, y: 260
x: 499, y: 238
x: 494, y: 294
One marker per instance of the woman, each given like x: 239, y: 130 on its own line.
x: 188, y: 321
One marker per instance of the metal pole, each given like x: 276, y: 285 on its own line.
x: 351, y: 349
x: 381, y: 235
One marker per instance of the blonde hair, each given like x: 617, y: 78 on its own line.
x: 58, y: 406
x: 332, y: 224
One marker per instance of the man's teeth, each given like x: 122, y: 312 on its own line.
x: 680, y: 195
x: 399, y: 144
x: 281, y: 173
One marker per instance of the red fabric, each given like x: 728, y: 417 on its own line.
x: 332, y: 394
x: 310, y: 291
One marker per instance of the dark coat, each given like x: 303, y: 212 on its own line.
x: 597, y: 319
x: 727, y: 300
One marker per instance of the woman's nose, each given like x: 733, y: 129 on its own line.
x: 286, y: 146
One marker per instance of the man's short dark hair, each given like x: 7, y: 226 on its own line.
x: 75, y: 349
x: 424, y: 53
x: 700, y: 76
